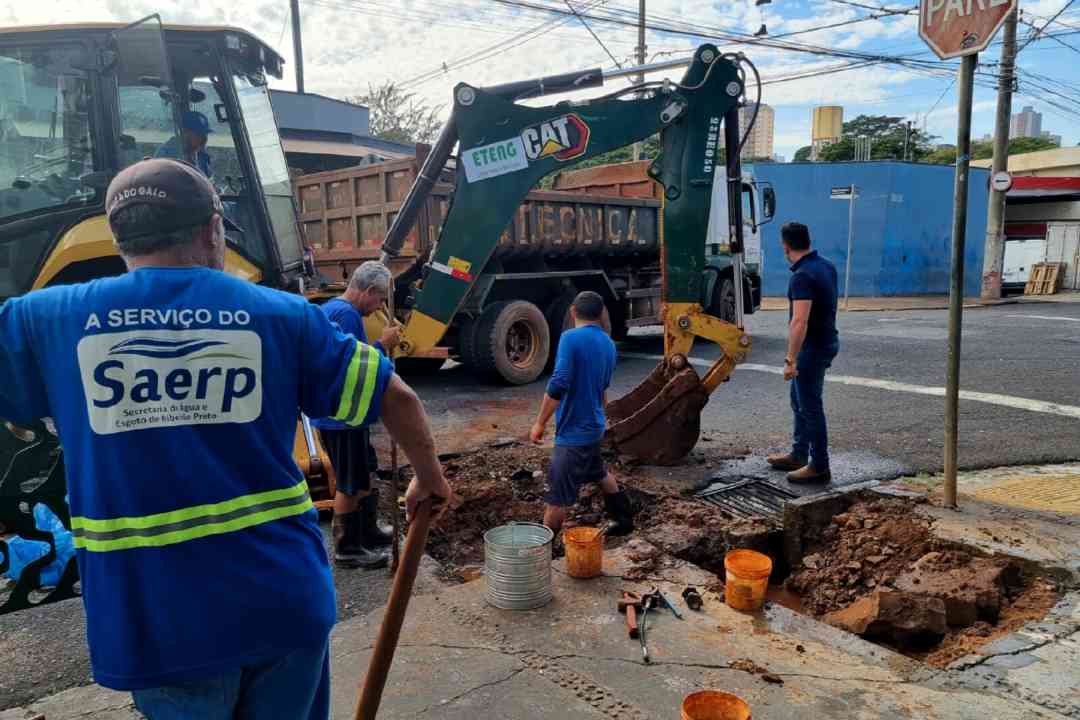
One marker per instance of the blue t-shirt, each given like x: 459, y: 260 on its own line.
x: 175, y: 394
x: 814, y: 278
x: 351, y: 322
x: 584, y: 365
x: 171, y: 149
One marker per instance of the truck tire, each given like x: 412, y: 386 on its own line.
x: 723, y: 300
x: 466, y: 343
x: 559, y: 321
x: 512, y: 342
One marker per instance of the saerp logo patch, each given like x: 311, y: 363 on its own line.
x: 167, y: 378
x: 563, y: 138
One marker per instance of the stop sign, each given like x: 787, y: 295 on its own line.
x: 961, y: 27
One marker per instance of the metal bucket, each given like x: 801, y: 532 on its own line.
x: 517, y: 565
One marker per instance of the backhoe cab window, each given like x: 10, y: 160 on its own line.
x: 45, y: 139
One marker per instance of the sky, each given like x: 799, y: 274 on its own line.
x: 430, y: 45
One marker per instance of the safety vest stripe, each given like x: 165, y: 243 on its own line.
x: 194, y: 533
x: 208, y: 512
x: 359, y: 386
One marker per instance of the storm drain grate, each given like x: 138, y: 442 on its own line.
x: 748, y: 498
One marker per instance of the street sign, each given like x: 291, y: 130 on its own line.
x: 961, y: 27
x: 1001, y: 181
x: 842, y: 193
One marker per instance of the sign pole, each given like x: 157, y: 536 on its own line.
x: 956, y: 290
x: 850, y: 232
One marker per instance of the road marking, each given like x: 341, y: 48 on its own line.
x: 1039, y: 406
x: 1046, y: 317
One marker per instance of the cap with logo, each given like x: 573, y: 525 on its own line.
x: 184, y: 195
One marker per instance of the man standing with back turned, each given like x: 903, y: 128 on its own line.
x: 175, y: 390
x: 812, y: 345
x: 578, y: 387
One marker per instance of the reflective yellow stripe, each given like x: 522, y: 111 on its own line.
x: 193, y: 533
x: 189, y: 513
x: 361, y: 379
x: 352, y: 374
x: 370, y: 380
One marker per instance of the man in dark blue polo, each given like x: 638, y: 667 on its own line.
x: 812, y: 344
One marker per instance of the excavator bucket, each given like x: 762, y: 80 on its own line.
x: 659, y: 421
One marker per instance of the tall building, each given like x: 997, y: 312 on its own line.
x: 827, y: 127
x: 1047, y: 135
x: 1027, y: 123
x: 760, y: 142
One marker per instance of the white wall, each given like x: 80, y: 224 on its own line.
x: 1063, y: 245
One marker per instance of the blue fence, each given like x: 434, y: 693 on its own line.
x: 903, y: 224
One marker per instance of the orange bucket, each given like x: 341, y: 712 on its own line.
x: 747, y: 579
x: 584, y: 552
x: 714, y: 705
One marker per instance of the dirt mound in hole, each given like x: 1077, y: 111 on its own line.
x: 877, y: 569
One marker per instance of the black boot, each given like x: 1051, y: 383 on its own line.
x: 349, y: 552
x: 621, y: 513
x: 373, y: 535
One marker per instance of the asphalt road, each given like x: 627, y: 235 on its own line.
x: 1024, y: 352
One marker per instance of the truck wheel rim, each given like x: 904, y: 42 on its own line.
x: 521, y: 345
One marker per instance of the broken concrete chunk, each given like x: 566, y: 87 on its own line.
x: 814, y: 561
x: 906, y: 618
x: 876, y: 559
x: 971, y: 591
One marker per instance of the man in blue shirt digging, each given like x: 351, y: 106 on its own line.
x: 576, y: 395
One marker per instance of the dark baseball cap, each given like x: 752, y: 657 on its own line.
x: 184, y: 195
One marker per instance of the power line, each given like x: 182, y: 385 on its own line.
x: 595, y: 37
x: 1053, y: 37
x: 1052, y: 19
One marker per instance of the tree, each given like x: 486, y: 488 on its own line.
x: 886, y: 135
x: 985, y: 150
x: 399, y: 116
x: 803, y: 154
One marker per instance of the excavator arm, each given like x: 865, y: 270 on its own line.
x: 505, y: 148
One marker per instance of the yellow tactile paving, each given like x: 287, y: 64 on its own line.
x: 1049, y: 493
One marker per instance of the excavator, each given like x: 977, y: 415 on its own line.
x: 504, y: 148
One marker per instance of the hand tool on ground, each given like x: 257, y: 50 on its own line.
x: 647, y: 601
x: 693, y: 598
x: 395, y: 493
x: 668, y: 604
x: 383, y: 655
x: 629, y: 605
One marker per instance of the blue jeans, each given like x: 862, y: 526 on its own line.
x: 294, y: 686
x: 811, y: 437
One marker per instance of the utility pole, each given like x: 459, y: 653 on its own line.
x: 298, y: 48
x: 994, y: 248
x: 641, y: 61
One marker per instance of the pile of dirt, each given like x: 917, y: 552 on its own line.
x: 878, y: 571
x: 867, y: 547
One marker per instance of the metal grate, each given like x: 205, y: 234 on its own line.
x: 747, y: 498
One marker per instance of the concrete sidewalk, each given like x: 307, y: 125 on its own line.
x: 461, y: 658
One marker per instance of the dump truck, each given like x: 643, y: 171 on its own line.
x: 597, y: 229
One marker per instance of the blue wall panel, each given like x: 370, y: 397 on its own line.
x: 903, y: 224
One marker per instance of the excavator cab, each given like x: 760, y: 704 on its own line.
x: 78, y: 103
x: 506, y: 147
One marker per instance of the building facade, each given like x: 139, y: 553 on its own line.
x: 760, y: 142
x: 1026, y: 123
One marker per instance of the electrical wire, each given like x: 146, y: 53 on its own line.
x: 1039, y: 32
x: 595, y: 36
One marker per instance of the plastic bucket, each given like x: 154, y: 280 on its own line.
x: 747, y: 579
x: 517, y: 566
x: 584, y: 552
x: 714, y: 705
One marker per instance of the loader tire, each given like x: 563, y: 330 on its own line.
x: 466, y: 344
x: 512, y: 342
x: 723, y: 300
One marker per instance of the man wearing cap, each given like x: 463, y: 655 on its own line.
x: 191, y: 145
x: 175, y: 390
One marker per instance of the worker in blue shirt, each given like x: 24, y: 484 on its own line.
x: 190, y: 146
x: 175, y: 391
x: 576, y: 395
x: 359, y: 541
x: 813, y: 343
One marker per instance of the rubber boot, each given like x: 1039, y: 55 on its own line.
x: 372, y: 534
x: 349, y: 552
x: 622, y: 514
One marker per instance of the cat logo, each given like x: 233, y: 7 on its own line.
x: 563, y: 138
